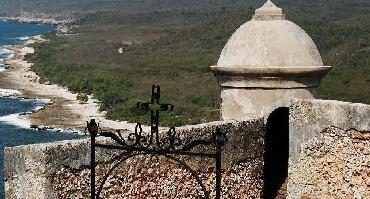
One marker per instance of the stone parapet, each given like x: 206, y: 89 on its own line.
x: 61, y: 169
x: 28, y: 170
x: 329, y: 149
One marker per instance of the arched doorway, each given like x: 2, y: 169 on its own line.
x: 276, y: 152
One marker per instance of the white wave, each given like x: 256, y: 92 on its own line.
x: 64, y: 130
x: 5, y: 51
x: 40, y: 103
x: 37, y: 108
x: 10, y: 56
x: 20, y: 119
x: 16, y: 120
x: 2, y: 68
x: 5, y: 54
x: 9, y: 92
x: 23, y: 38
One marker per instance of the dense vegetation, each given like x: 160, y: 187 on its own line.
x: 174, y: 43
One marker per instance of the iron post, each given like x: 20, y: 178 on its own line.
x: 218, y: 172
x: 92, y: 127
x: 220, y: 140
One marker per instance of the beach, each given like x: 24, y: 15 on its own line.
x: 63, y: 111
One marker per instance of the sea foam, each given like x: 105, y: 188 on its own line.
x: 16, y: 120
x: 9, y: 92
x: 5, y: 54
x: 2, y: 67
x: 23, y: 38
x: 20, y: 119
x: 5, y: 51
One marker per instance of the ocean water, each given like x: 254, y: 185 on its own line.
x: 13, y: 129
x: 16, y: 33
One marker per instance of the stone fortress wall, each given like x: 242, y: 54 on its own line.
x: 320, y: 151
x: 329, y: 157
x: 61, y: 169
x: 329, y: 149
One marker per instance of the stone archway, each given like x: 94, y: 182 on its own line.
x: 276, y: 152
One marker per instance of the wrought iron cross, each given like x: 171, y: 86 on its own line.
x: 169, y: 146
x: 155, y: 107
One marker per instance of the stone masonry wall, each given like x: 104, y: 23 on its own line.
x: 329, y: 150
x: 29, y: 170
x: 60, y: 170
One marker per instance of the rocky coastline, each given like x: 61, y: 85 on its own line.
x: 63, y: 24
x: 63, y: 111
x: 40, y: 18
x: 22, y: 19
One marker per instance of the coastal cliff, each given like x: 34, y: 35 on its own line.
x: 61, y: 21
x: 40, y: 18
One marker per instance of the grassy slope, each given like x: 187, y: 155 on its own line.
x: 191, y: 36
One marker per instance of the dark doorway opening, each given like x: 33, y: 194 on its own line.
x: 276, y: 153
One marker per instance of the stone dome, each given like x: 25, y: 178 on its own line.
x: 269, y: 40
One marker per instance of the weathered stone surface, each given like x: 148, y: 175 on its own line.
x: 143, y: 177
x: 28, y: 170
x: 308, y: 118
x: 329, y: 149
x: 243, y: 104
x: 269, y: 12
x: 60, y: 169
x: 329, y: 157
x: 334, y: 166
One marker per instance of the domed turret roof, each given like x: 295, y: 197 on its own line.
x: 269, y: 40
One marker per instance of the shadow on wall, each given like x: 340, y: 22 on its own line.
x: 276, y: 153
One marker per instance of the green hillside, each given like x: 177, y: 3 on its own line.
x: 173, y: 43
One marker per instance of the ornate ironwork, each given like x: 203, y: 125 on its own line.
x: 168, y: 145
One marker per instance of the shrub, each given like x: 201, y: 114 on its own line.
x: 81, y: 98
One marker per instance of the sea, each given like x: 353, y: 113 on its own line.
x: 14, y: 130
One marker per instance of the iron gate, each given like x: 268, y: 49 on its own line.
x: 168, y: 146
